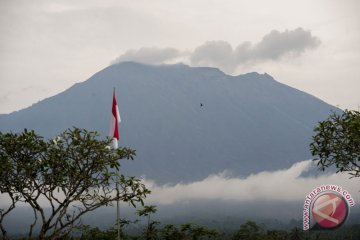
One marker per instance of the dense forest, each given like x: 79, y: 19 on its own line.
x: 247, y: 231
x: 188, y: 231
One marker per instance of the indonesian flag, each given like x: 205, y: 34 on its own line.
x: 115, y: 120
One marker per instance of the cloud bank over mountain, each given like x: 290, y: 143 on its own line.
x: 281, y: 185
x: 220, y: 54
x: 287, y: 185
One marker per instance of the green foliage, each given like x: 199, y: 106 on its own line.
x: 171, y: 232
x: 276, y: 235
x: 187, y: 231
x: 147, y: 211
x: 252, y: 230
x: 75, y: 173
x: 168, y: 232
x: 200, y: 232
x: 249, y: 231
x: 296, y: 234
x: 337, y: 142
x: 151, y: 229
x: 190, y: 231
x: 96, y: 234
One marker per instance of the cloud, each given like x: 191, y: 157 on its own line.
x: 273, y: 46
x: 286, y: 185
x: 281, y: 185
x: 214, y: 54
x: 276, y: 44
x: 149, y: 55
x: 221, y: 54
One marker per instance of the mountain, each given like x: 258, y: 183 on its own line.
x: 186, y: 123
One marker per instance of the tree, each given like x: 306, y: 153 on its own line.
x: 187, y: 231
x: 97, y: 234
x: 171, y: 232
x: 297, y: 234
x: 337, y: 143
x: 200, y: 232
x: 275, y: 235
x: 87, y: 232
x: 151, y: 231
x: 249, y: 231
x: 73, y: 174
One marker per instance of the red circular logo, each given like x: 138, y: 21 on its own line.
x: 329, y: 210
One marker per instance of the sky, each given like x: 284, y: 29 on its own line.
x: 47, y: 46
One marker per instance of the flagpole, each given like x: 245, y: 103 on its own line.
x: 118, y: 201
x: 115, y: 136
x: 118, y: 212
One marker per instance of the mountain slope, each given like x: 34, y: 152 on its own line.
x: 248, y: 123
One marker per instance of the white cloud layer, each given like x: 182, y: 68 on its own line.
x: 281, y: 185
x: 220, y: 54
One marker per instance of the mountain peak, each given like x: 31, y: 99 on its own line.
x: 182, y: 66
x: 256, y: 75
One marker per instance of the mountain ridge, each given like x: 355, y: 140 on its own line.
x: 186, y: 123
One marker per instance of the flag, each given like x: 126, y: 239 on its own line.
x: 115, y: 120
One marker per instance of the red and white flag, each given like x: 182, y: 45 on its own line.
x: 115, y: 120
